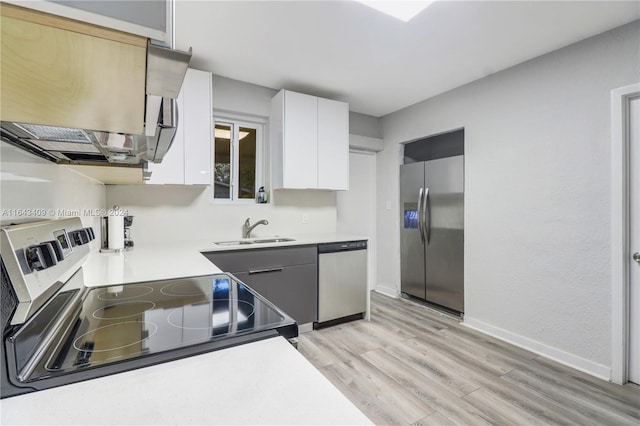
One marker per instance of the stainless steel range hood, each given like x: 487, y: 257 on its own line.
x: 166, y: 69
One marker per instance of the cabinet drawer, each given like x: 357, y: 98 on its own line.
x: 293, y: 289
x: 252, y: 260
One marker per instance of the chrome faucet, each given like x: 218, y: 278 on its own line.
x: 248, y: 227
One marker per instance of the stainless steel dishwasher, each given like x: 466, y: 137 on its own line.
x: 342, y: 281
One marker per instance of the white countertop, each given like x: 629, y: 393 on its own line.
x: 147, y: 263
x: 265, y: 382
x: 162, y: 261
x: 300, y: 239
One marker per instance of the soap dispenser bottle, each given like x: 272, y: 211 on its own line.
x: 261, y: 198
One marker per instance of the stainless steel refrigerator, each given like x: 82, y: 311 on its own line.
x: 432, y: 234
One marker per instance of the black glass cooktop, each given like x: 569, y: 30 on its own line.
x: 161, y: 318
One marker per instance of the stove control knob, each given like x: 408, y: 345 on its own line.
x: 40, y: 256
x: 79, y: 237
x: 57, y: 249
x: 76, y: 240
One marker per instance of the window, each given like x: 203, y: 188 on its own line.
x: 236, y: 159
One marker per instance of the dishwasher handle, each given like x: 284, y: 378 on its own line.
x: 342, y: 246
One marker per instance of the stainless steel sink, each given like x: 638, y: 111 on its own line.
x: 258, y: 241
x: 273, y: 240
x: 233, y: 243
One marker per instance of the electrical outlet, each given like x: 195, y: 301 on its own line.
x: 388, y: 205
x: 305, y: 217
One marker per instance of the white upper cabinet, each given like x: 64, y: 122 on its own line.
x: 333, y: 144
x: 197, y: 117
x: 309, y: 142
x: 188, y: 161
x: 300, y: 140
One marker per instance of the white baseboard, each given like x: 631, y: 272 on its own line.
x: 387, y: 291
x: 598, y: 370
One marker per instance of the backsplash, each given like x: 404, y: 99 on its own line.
x: 175, y: 213
x: 36, y: 189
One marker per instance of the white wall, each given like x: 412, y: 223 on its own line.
x: 50, y: 190
x: 238, y: 96
x: 537, y: 195
x: 364, y: 125
x: 169, y: 213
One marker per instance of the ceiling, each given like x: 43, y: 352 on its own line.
x: 349, y: 52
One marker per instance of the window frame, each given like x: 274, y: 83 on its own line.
x: 237, y: 121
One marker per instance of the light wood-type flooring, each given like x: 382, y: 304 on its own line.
x: 411, y: 365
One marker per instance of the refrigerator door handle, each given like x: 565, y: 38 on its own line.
x: 426, y: 219
x: 420, y: 214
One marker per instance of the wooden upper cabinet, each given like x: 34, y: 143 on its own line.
x: 66, y: 73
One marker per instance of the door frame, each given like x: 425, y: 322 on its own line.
x: 620, y: 260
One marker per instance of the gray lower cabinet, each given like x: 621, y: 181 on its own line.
x: 286, y: 276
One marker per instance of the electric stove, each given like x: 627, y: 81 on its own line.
x: 60, y: 332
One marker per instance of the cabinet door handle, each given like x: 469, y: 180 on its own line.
x: 262, y: 271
